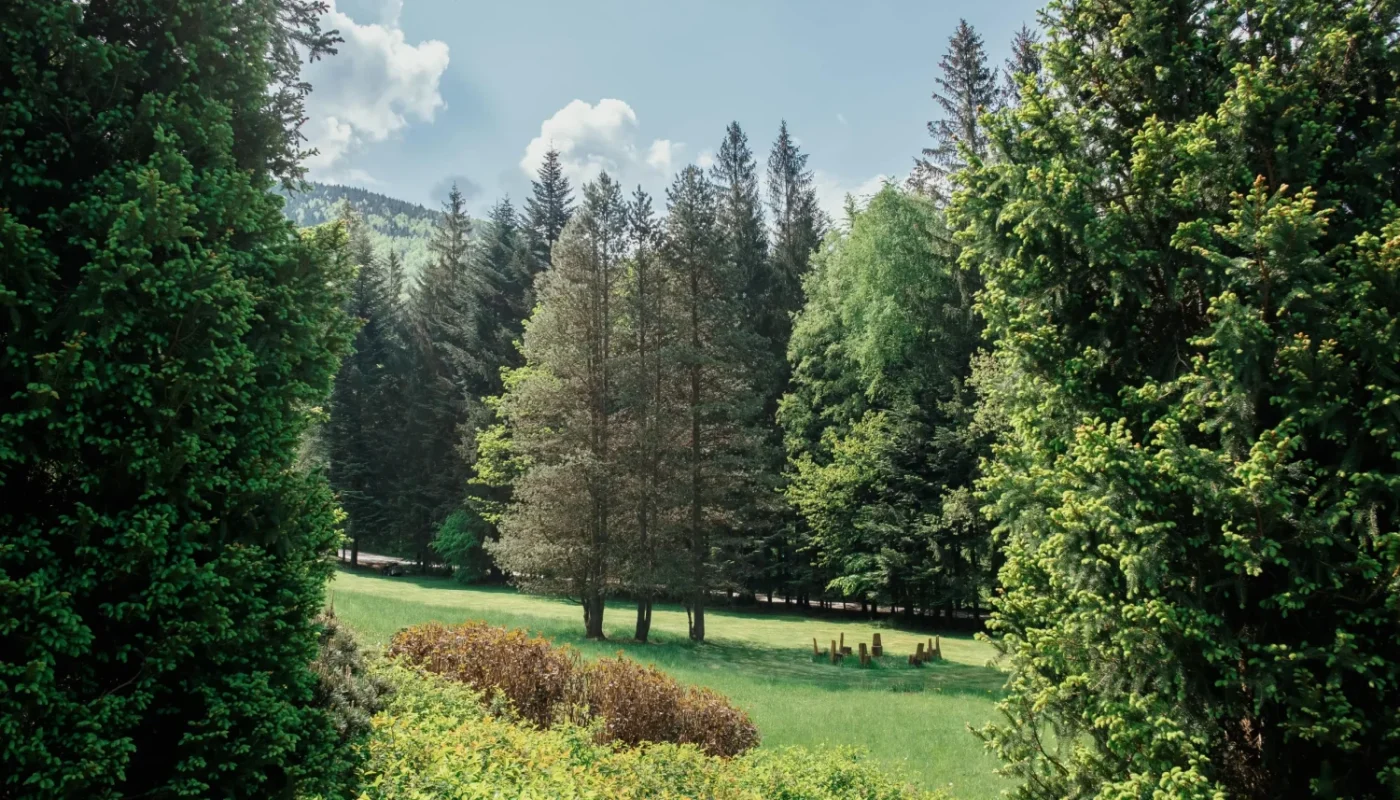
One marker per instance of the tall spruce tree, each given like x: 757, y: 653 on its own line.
x: 364, y: 416
x: 167, y: 336
x: 503, y: 296
x: 798, y: 227
x: 548, y: 209
x: 966, y: 89
x: 447, y: 365
x: 1024, y: 63
x: 715, y: 349
x: 1190, y: 246
x: 560, y: 534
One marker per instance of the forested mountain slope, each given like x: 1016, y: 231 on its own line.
x: 398, y: 224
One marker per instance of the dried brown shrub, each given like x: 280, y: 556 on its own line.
x: 541, y: 681
x: 547, y: 684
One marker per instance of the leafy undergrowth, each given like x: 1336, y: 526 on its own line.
x: 546, y: 684
x: 436, y: 739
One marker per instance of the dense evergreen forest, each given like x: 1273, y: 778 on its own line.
x: 1115, y: 375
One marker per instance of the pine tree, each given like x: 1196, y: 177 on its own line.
x: 1191, y: 263
x: 646, y: 452
x: 1024, y: 63
x: 363, y: 414
x: 504, y: 296
x: 560, y: 534
x: 798, y: 228
x: 447, y: 364
x: 735, y: 175
x: 966, y: 90
x: 548, y: 209
x: 166, y: 341
x: 715, y: 351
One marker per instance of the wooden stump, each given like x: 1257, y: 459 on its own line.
x: 816, y: 652
x: 845, y: 650
x: 937, y: 648
x: 919, y: 654
x: 914, y: 660
x: 843, y: 642
x: 876, y: 650
x: 835, y: 654
x: 864, y: 656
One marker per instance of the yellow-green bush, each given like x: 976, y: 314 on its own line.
x: 436, y: 740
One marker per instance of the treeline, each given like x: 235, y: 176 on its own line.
x: 729, y: 395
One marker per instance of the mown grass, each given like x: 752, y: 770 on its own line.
x: 913, y: 720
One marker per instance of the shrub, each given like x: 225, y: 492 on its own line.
x: 630, y: 702
x: 350, y: 694
x: 638, y: 703
x: 459, y: 541
x: 435, y: 740
x: 540, y: 681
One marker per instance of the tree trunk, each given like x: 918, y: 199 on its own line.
x: 643, y: 620
x: 355, y: 552
x: 593, y: 615
x: 697, y: 622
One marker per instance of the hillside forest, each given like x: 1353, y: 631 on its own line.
x: 1113, y: 377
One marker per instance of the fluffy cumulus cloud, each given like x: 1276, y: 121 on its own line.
x: 377, y: 85
x: 592, y: 138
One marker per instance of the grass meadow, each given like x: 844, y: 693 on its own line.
x: 913, y: 720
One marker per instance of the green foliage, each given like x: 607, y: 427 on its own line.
x: 351, y: 694
x: 966, y: 89
x: 879, y: 422
x: 459, y: 542
x: 435, y: 740
x: 166, y: 340
x: 1189, y: 242
x: 394, y: 226
x: 547, y: 210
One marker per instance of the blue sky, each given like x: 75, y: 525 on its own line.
x: 429, y: 91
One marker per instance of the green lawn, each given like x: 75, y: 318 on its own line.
x: 915, y: 720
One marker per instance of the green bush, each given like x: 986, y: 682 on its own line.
x: 351, y: 693
x: 458, y: 541
x: 436, y: 739
x: 546, y: 685
x: 165, y: 339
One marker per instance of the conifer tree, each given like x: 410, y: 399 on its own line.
x: 798, y: 228
x: 647, y: 454
x: 1023, y: 64
x: 965, y: 91
x: 560, y: 534
x: 1191, y: 264
x: 504, y: 296
x: 446, y: 366
x: 166, y: 340
x: 735, y: 175
x: 724, y: 450
x: 548, y: 208
x: 363, y: 418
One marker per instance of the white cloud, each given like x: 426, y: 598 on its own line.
x: 592, y: 138
x: 705, y: 160
x: 832, y: 191
x: 373, y: 88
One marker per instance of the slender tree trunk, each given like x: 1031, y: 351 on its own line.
x: 355, y: 552
x: 643, y: 619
